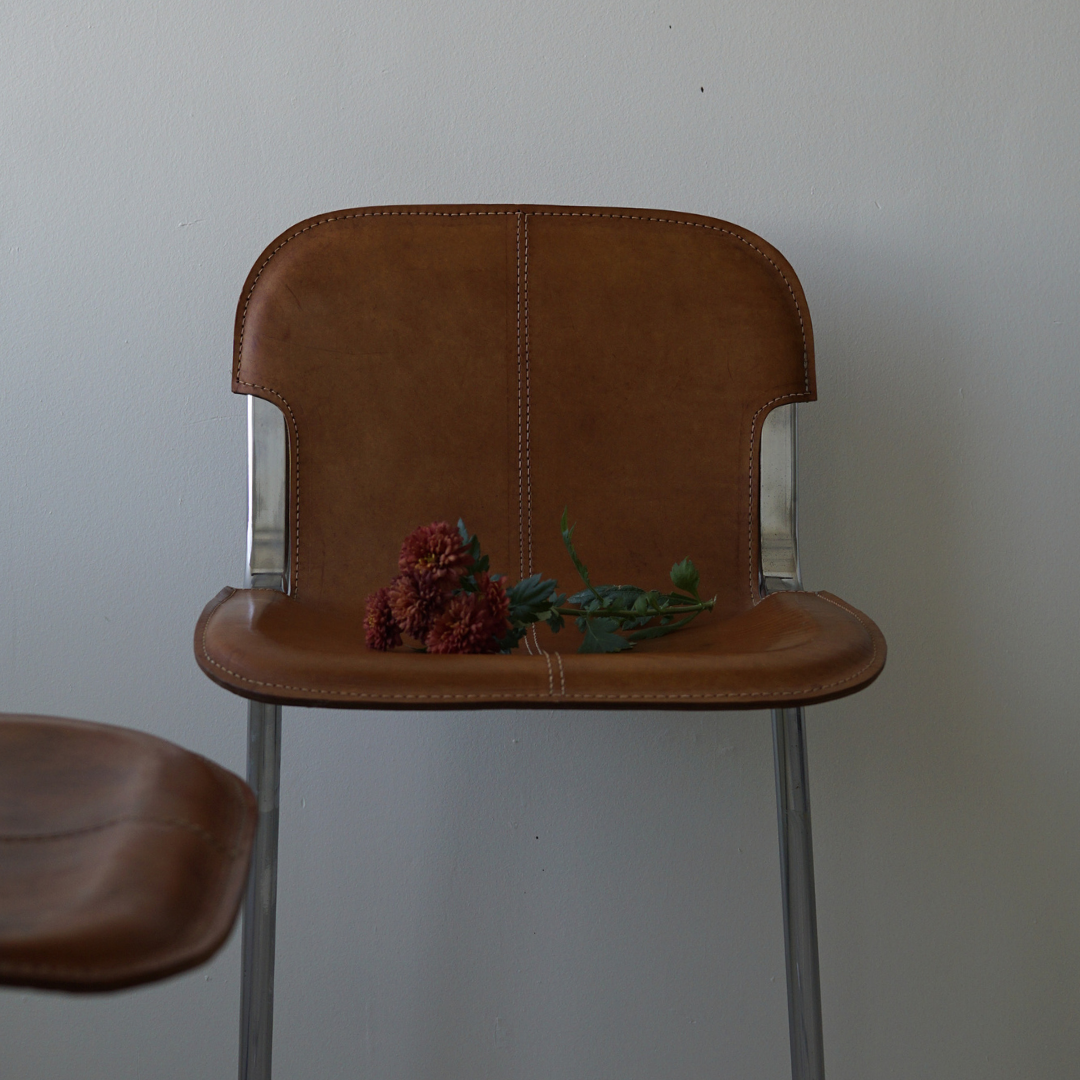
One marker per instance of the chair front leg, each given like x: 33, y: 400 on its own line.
x: 797, y: 883
x: 260, y: 901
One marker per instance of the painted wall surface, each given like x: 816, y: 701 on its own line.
x: 541, y: 896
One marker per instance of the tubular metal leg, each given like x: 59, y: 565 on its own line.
x: 260, y: 901
x: 797, y: 883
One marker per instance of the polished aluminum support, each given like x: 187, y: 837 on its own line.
x: 797, y: 887
x: 260, y: 902
x: 779, y: 500
x: 780, y: 571
x: 267, y: 568
x: 267, y: 539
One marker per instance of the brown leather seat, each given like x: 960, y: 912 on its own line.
x: 803, y: 647
x: 123, y: 858
x: 499, y: 363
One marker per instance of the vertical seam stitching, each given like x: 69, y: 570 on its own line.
x: 523, y: 217
x: 520, y: 428
x: 528, y: 395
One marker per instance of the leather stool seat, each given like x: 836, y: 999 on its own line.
x: 123, y: 858
x: 792, y: 648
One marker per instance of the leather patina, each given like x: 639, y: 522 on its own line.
x: 500, y: 363
x: 123, y: 858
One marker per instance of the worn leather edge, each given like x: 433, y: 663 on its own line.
x: 564, y: 699
x: 202, y: 940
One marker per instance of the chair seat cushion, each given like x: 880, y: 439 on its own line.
x: 123, y: 858
x: 790, y: 649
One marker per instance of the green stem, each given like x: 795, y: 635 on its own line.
x: 625, y: 613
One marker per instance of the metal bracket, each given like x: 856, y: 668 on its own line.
x: 267, y: 568
x: 780, y: 571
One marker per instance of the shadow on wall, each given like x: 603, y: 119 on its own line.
x: 944, y: 807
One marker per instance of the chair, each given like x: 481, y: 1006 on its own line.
x: 122, y: 857
x: 411, y: 364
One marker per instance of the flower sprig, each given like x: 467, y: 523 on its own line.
x: 606, y: 612
x: 446, y: 597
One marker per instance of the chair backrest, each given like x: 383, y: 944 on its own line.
x: 502, y: 362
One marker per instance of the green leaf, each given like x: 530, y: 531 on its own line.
x: 600, y: 637
x: 568, y: 540
x: 531, y: 599
x: 684, y: 575
x: 466, y: 536
x: 533, y: 590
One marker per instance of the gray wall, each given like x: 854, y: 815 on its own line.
x: 542, y: 896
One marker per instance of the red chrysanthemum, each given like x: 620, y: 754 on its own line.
x: 381, y: 631
x: 416, y: 598
x: 472, y: 622
x: 436, y: 548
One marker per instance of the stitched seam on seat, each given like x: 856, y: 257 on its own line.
x: 528, y: 401
x: 132, y: 819
x: 521, y: 429
x: 520, y: 214
x: 521, y: 424
x: 562, y: 675
x: 551, y: 677
x: 862, y: 622
x: 319, y: 690
x: 711, y: 696
x: 755, y: 593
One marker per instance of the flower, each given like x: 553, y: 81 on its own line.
x: 436, y: 548
x: 380, y: 630
x: 472, y: 622
x: 416, y: 597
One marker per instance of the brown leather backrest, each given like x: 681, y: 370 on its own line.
x: 502, y: 362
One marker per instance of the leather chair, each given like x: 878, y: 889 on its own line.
x: 416, y: 363
x: 122, y: 857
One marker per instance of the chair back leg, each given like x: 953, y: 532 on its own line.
x: 797, y: 883
x: 260, y: 902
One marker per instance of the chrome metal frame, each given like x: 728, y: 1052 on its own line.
x: 780, y: 571
x: 268, y: 567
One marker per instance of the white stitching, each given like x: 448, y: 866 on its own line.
x: 528, y: 404
x: 562, y: 676
x: 521, y: 482
x: 551, y: 677
x: 521, y: 429
x: 523, y: 216
x: 535, y: 695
